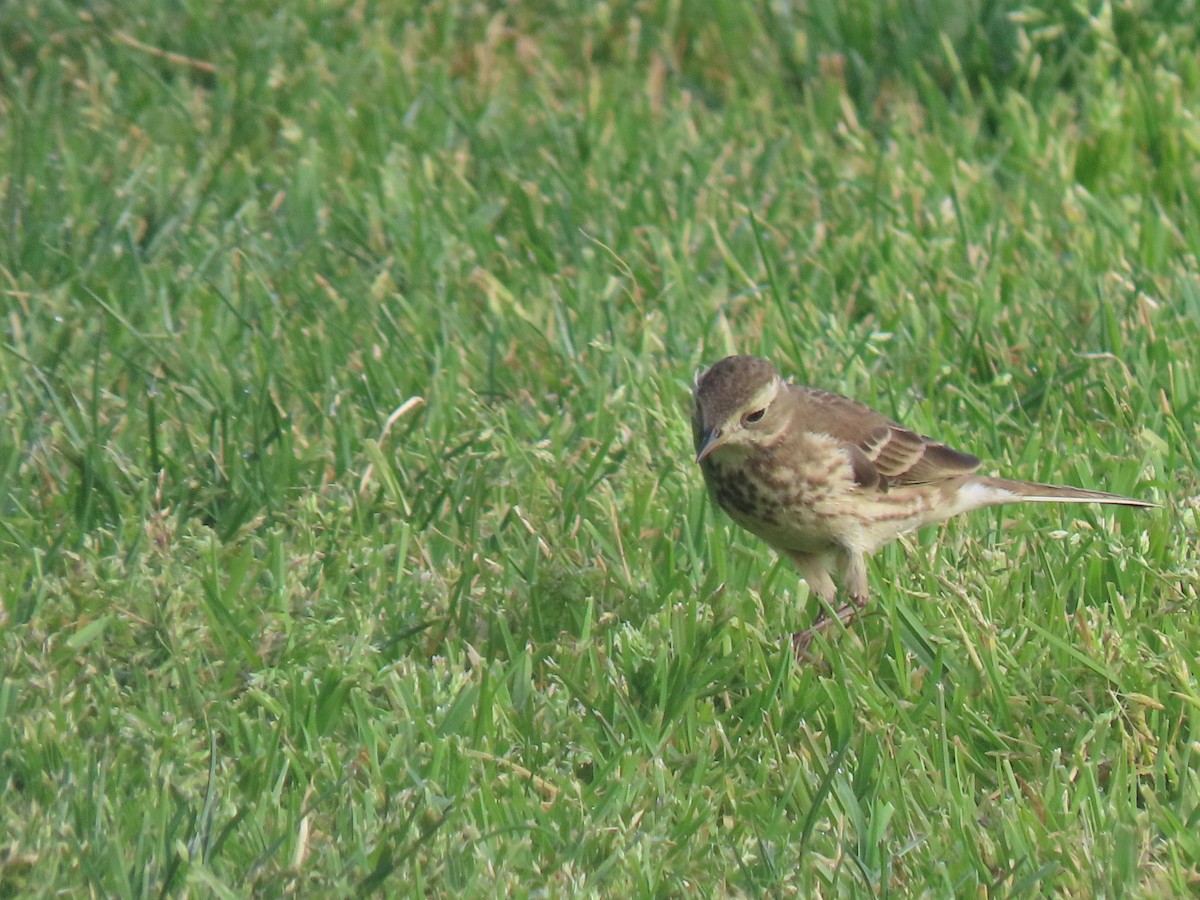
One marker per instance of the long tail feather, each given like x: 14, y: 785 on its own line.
x: 1033, y: 492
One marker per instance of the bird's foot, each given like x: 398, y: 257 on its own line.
x: 845, y: 615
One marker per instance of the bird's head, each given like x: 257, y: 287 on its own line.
x: 736, y: 404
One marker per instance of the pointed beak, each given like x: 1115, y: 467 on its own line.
x: 711, y: 441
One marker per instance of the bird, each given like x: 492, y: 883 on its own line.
x: 826, y: 480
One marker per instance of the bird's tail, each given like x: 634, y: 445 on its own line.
x: 1031, y: 491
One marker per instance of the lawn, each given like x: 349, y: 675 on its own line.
x: 352, y: 537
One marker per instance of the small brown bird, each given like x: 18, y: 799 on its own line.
x: 826, y: 480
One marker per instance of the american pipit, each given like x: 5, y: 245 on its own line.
x: 826, y: 480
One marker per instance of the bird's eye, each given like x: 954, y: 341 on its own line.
x: 756, y: 416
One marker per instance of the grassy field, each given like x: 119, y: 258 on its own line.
x: 351, y: 535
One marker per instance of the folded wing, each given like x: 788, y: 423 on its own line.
x: 882, y: 452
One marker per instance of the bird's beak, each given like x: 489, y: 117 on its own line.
x: 712, y: 440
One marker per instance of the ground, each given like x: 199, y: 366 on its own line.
x: 352, y: 535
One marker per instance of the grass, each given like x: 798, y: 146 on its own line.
x: 351, y: 537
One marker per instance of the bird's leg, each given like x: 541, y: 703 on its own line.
x: 854, y: 569
x: 814, y: 568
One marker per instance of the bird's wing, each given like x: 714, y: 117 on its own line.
x: 882, y: 452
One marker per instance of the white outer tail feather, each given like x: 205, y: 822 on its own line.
x: 994, y: 491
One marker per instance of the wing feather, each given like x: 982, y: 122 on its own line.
x: 897, y: 455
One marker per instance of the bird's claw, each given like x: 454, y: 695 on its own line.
x: 801, y: 640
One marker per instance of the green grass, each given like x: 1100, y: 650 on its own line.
x: 260, y: 635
